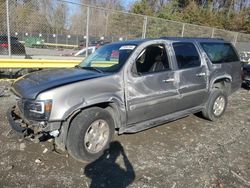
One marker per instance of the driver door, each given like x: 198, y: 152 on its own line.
x: 151, y: 85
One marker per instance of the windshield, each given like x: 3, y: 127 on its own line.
x: 109, y: 58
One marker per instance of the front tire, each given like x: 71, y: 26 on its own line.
x: 89, y: 134
x: 216, y: 105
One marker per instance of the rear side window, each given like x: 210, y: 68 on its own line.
x: 186, y: 55
x: 220, y: 52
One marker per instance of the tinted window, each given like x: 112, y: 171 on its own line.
x: 186, y: 55
x: 220, y: 52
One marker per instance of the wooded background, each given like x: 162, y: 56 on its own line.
x: 70, y: 17
x: 231, y: 15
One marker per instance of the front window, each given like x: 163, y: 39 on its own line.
x: 152, y: 59
x: 109, y: 58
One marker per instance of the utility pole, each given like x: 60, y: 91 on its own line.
x: 87, y: 31
x: 8, y: 28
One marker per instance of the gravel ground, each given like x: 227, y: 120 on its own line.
x: 190, y: 152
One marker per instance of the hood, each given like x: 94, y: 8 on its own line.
x: 29, y: 86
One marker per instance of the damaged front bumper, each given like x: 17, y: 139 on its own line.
x: 246, y: 81
x: 37, y: 131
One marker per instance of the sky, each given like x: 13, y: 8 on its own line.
x: 73, y: 8
x: 127, y: 3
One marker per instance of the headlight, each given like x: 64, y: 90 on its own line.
x: 37, y: 110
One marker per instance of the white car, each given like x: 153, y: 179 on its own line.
x: 82, y: 52
x: 245, y: 57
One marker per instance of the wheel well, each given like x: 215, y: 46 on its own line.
x: 223, y: 84
x: 112, y: 109
x: 110, y: 106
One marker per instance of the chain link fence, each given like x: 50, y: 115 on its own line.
x: 45, y: 29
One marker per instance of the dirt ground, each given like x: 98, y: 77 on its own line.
x: 190, y: 152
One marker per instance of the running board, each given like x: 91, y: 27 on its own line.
x: 137, y: 127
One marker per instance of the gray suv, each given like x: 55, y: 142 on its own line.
x: 125, y: 87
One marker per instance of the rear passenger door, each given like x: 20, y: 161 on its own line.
x: 192, y: 75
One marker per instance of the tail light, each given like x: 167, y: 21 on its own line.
x: 4, y: 45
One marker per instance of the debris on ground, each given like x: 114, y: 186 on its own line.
x: 190, y: 152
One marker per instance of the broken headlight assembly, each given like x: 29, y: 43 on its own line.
x: 37, y: 110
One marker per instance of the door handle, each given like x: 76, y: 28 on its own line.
x: 201, y: 74
x: 168, y: 80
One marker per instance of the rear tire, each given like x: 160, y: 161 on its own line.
x: 89, y: 134
x: 216, y: 105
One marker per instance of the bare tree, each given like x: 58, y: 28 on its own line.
x: 60, y: 17
x: 3, y: 27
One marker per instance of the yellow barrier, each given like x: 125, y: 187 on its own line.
x: 7, y: 79
x: 63, y: 45
x: 54, y: 44
x: 37, y: 63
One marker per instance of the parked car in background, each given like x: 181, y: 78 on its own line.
x: 91, y: 49
x: 93, y: 42
x: 246, y: 75
x: 245, y: 57
x: 82, y: 52
x: 16, y: 47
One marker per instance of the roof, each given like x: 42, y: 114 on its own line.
x: 180, y: 39
x: 193, y: 39
x: 132, y: 42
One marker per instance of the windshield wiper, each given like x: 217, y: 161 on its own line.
x: 89, y: 68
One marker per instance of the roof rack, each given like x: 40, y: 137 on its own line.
x: 192, y: 38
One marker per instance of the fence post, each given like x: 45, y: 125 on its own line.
x: 87, y: 32
x: 106, y: 27
x: 212, y: 35
x: 235, y: 38
x: 144, y: 28
x: 183, y: 30
x: 56, y: 37
x: 8, y: 28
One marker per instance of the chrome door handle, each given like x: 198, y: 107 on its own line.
x: 201, y: 74
x: 168, y: 80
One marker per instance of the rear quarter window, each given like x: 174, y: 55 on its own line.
x: 220, y: 52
